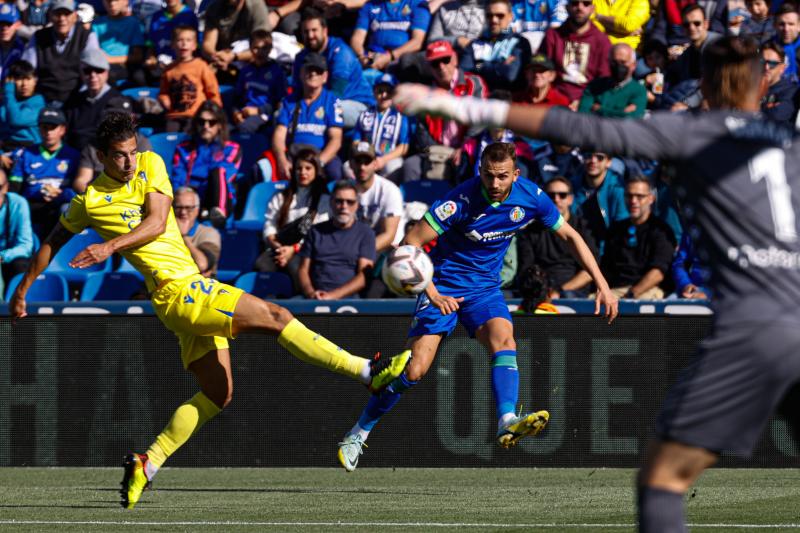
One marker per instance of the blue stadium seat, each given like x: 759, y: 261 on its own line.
x: 226, y: 93
x: 46, y: 288
x: 127, y: 268
x: 426, y: 191
x: 164, y: 145
x: 252, y: 146
x: 60, y: 263
x: 240, y: 249
x: 140, y: 92
x: 102, y: 286
x: 266, y: 284
x: 256, y: 206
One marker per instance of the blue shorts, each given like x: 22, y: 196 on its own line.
x: 476, y: 310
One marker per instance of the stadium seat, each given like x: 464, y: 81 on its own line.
x: 266, y: 284
x: 60, y: 263
x: 256, y: 206
x: 252, y: 146
x: 127, y: 268
x: 46, y: 288
x: 141, y: 92
x: 240, y: 248
x: 101, y: 286
x: 164, y: 145
x: 227, y: 94
x: 426, y: 191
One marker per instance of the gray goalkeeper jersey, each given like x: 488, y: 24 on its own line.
x: 738, y: 184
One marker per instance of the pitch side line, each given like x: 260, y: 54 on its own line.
x: 364, y: 524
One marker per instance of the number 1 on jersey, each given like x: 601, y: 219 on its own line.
x: 769, y: 165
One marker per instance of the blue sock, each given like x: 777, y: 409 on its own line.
x: 380, y: 404
x: 505, y: 381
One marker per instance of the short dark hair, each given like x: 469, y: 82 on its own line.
x: 775, y: 47
x: 732, y: 69
x: 183, y: 27
x: 114, y: 128
x: 312, y: 13
x: 21, y: 69
x: 506, y: 2
x: 768, y: 2
x: 690, y: 8
x: 786, y: 7
x: 560, y: 179
x: 640, y: 178
x: 499, y: 152
x: 534, y: 287
x: 342, y: 185
x: 654, y: 45
x: 261, y: 34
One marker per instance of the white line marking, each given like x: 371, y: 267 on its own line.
x: 366, y: 524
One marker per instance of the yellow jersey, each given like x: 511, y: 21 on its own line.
x: 113, y: 208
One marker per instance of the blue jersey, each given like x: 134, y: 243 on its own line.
x: 117, y: 36
x: 313, y: 120
x: 474, y: 233
x: 390, y: 24
x: 538, y: 15
x: 36, y: 167
x: 345, y: 74
x: 161, y: 26
x: 384, y: 131
x: 261, y: 86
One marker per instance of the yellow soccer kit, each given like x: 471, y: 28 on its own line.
x: 198, y: 310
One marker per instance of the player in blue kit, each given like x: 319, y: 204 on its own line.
x: 474, y: 224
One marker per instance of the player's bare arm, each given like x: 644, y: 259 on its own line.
x: 423, y: 233
x: 50, y: 247
x: 154, y: 223
x: 584, y: 255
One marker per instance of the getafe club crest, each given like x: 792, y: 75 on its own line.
x: 62, y: 166
x: 516, y: 214
x: 320, y: 113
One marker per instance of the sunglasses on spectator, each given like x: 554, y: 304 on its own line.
x: 210, y: 121
x: 595, y: 155
x: 558, y: 194
x: 771, y: 64
x: 314, y: 71
x: 90, y: 70
x: 344, y: 201
x: 495, y: 15
x: 695, y: 23
x: 443, y: 61
x: 584, y: 3
x: 639, y: 197
x: 185, y: 207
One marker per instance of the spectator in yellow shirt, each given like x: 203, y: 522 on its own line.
x: 622, y: 20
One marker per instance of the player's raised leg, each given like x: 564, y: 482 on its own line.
x: 213, y: 374
x: 497, y: 334
x: 255, y: 315
x: 423, y: 351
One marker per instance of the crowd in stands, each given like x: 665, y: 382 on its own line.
x: 283, y: 108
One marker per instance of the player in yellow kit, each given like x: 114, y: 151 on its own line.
x: 130, y: 206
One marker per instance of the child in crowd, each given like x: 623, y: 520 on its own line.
x: 187, y: 82
x: 159, y: 35
x: 121, y: 38
x: 259, y: 87
x: 760, y: 25
x: 19, y: 110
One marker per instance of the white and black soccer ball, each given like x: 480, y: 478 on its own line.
x: 407, y: 271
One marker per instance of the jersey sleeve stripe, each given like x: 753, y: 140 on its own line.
x: 435, y: 225
x: 558, y: 224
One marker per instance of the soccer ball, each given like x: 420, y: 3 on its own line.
x: 407, y: 270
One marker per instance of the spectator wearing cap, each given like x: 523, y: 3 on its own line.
x: 619, y: 95
x: 337, y: 255
x: 121, y: 38
x: 436, y: 131
x: 203, y: 242
x: 187, y: 82
x: 55, y: 51
x: 385, y: 31
x: 345, y: 75
x: 43, y: 173
x: 16, y: 234
x: 85, y: 109
x: 11, y: 45
x: 259, y: 86
x: 19, y: 110
x: 532, y: 18
x: 159, y: 53
x: 540, y: 75
x: 779, y: 104
x: 639, y: 250
x: 578, y: 49
x: 229, y: 21
x: 312, y: 117
x: 499, y: 55
x: 384, y: 127
x: 622, y: 20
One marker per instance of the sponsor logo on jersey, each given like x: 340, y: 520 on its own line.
x: 516, y: 214
x: 107, y: 197
x: 747, y: 255
x: 446, y: 210
x: 36, y: 165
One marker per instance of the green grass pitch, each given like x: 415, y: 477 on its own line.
x: 370, y: 499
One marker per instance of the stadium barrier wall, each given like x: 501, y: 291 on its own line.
x: 83, y: 391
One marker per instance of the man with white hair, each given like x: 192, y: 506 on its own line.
x: 204, y: 242
x: 618, y: 95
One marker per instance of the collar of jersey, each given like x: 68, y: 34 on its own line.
x: 49, y: 155
x: 489, y: 200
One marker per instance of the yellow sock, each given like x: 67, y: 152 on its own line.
x: 186, y: 420
x: 313, y: 348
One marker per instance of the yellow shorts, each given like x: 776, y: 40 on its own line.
x: 199, y: 311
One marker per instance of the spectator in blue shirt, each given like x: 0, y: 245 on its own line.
x: 310, y: 118
x: 43, y: 173
x: 388, y: 29
x: 259, y: 86
x: 159, y: 52
x: 16, y: 236
x: 689, y: 274
x: 533, y: 17
x: 121, y: 38
x: 345, y: 75
x: 19, y: 110
x: 209, y: 163
x: 499, y: 55
x: 787, y: 25
x: 33, y: 17
x: 11, y: 46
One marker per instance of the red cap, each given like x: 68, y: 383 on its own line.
x: 439, y: 49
